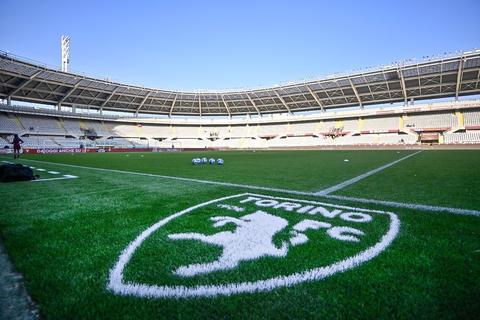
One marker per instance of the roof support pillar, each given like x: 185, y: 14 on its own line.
x: 402, y: 84
x: 200, y: 105
x: 173, y: 105
x: 23, y: 84
x: 108, y: 99
x: 253, y: 104
x: 459, y: 78
x: 143, y: 101
x: 315, y: 96
x: 283, y: 101
x: 69, y: 92
x: 226, y: 106
x: 9, y: 101
x: 135, y: 97
x: 356, y: 93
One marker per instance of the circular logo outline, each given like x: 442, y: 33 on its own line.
x: 117, y: 285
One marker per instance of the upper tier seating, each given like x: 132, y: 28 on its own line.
x: 8, y: 124
x: 380, y: 124
x: 98, y: 127
x: 72, y: 127
x: 42, y: 125
x: 349, y: 125
x: 471, y: 118
x: 431, y: 121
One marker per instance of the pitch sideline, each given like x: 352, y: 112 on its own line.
x: 422, y: 207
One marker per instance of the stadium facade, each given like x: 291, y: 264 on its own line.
x: 322, y: 113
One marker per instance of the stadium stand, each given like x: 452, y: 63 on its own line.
x: 41, y: 125
x: 39, y: 142
x: 349, y: 125
x: 472, y: 118
x: 72, y: 127
x: 393, y: 138
x: 306, y: 129
x: 398, y: 82
x: 363, y: 128
x: 431, y: 121
x: 67, y: 142
x: 471, y: 137
x: 383, y: 124
x: 237, y: 131
x: 97, y: 128
x: 356, y: 108
x: 8, y: 124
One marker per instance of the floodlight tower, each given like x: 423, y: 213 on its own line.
x: 65, y: 53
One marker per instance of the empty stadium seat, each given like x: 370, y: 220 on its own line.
x: 462, y: 137
x: 9, y: 124
x: 471, y: 118
x: 41, y: 125
x: 431, y: 121
x: 380, y: 124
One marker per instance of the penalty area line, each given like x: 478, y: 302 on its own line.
x: 362, y: 176
x: 421, y: 207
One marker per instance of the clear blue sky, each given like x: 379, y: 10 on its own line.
x: 225, y: 44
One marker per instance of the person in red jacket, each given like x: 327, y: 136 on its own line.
x: 16, y: 146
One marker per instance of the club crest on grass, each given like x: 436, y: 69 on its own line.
x: 248, y: 243
x: 251, y: 240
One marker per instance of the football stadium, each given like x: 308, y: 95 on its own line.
x: 351, y: 195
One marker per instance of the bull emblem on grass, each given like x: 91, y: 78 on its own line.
x: 252, y: 239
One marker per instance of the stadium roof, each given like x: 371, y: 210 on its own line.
x: 451, y: 76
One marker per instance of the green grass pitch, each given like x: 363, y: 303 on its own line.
x: 66, y: 235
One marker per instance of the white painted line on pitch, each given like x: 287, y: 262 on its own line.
x: 53, y: 172
x: 415, y: 206
x: 41, y: 170
x: 67, y: 176
x: 227, y: 184
x: 421, y: 207
x: 362, y: 176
